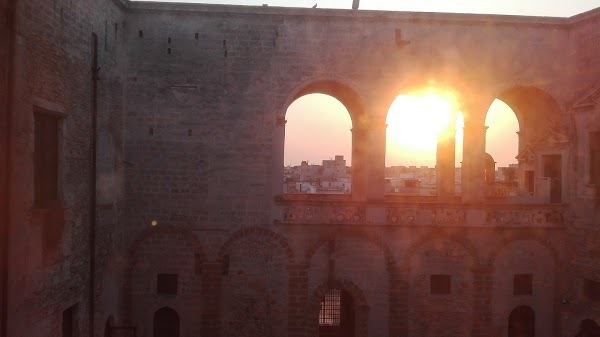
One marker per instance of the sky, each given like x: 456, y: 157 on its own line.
x: 556, y: 8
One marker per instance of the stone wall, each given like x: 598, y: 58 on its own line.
x: 191, y: 114
x: 53, y: 58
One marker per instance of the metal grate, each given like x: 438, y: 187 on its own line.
x: 330, y: 309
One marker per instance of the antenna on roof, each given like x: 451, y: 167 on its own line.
x: 355, y: 4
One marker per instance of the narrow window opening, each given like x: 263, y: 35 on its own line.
x: 225, y: 266
x: 189, y: 132
x: 225, y: 54
x: 70, y: 322
x: 46, y: 142
x: 151, y: 131
x: 169, y: 41
x: 169, y: 51
x: 198, y: 264
x: 140, y: 33
x: 196, y: 36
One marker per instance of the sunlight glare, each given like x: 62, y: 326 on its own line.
x: 416, y: 121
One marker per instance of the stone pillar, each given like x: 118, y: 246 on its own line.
x: 398, y: 322
x: 360, y: 150
x: 278, y: 156
x: 211, y: 290
x: 376, y: 162
x: 473, y: 168
x: 298, y: 300
x: 445, y: 164
x: 482, y: 301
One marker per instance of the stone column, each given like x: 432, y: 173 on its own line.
x: 211, y: 299
x: 473, y: 167
x: 298, y: 316
x: 376, y: 162
x: 398, y: 323
x: 482, y: 301
x: 445, y: 164
x: 360, y: 150
x: 278, y: 156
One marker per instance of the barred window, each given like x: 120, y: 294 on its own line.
x: 330, y: 309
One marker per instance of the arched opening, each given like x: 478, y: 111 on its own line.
x: 337, y: 317
x: 108, y: 326
x: 502, y: 148
x: 318, y: 146
x: 588, y: 328
x: 526, y: 123
x: 521, y: 322
x: 166, y: 323
x: 423, y: 131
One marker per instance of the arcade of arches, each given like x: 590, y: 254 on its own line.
x: 146, y: 188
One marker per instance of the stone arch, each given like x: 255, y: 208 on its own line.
x: 530, y: 258
x: 254, y: 285
x: 529, y: 235
x: 165, y: 250
x: 441, y: 262
x: 436, y: 235
x: 110, y: 322
x: 588, y: 328
x: 377, y: 241
x: 361, y: 306
x: 166, y: 323
x: 521, y: 322
x: 335, y: 86
x: 261, y: 232
x: 360, y: 257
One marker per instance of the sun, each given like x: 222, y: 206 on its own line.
x: 415, y: 122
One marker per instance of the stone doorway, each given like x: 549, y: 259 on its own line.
x: 521, y: 322
x: 553, y: 171
x: 166, y: 323
x: 337, y: 316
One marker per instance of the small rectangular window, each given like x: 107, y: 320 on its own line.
x: 45, y: 158
x: 441, y: 284
x: 166, y: 284
x: 523, y: 284
x: 198, y: 264
x: 591, y: 290
x: 70, y: 322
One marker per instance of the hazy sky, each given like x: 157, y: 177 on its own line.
x: 560, y: 8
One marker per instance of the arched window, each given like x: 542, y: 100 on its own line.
x: 526, y: 123
x: 421, y: 141
x: 166, y: 323
x: 502, y: 144
x: 108, y: 326
x: 337, y: 316
x: 318, y: 146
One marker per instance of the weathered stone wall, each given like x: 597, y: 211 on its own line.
x: 191, y: 104
x: 53, y: 56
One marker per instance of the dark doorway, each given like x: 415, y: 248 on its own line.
x: 553, y: 171
x: 529, y: 182
x: 166, y: 323
x: 336, y: 317
x: 521, y: 322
